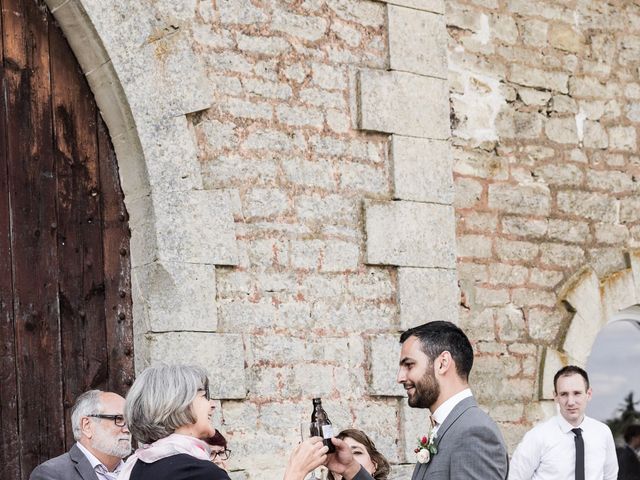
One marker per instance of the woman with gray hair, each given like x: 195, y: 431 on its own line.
x: 168, y: 411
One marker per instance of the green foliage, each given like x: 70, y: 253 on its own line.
x: 627, y: 416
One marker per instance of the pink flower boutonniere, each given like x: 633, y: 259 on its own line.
x: 426, y: 447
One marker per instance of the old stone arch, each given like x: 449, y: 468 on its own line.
x: 594, y: 303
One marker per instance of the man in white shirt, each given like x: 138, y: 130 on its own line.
x: 103, y: 440
x: 435, y: 362
x: 569, y: 446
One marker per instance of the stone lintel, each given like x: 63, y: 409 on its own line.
x: 404, y: 103
x: 178, y: 296
x: 417, y: 41
x: 220, y: 354
x: 410, y: 234
x: 422, y: 169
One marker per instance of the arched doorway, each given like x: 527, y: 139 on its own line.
x: 65, y: 303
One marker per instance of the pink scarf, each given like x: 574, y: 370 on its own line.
x: 166, y: 447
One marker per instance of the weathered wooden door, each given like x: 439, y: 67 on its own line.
x: 65, y: 308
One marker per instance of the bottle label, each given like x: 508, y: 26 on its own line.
x: 327, y: 431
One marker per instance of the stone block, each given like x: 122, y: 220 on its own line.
x: 195, y: 227
x: 221, y: 355
x: 580, y: 337
x: 564, y: 37
x: 422, y: 170
x: 593, y: 206
x: 618, y: 293
x: 583, y: 293
x: 555, y: 254
x: 544, y: 324
x: 178, y: 296
x: 516, y: 251
x: 536, y: 78
x: 379, y: 418
x: 403, y: 103
x: 410, y: 234
x: 163, y: 77
x: 623, y: 138
x: 171, y: 155
x: 522, y: 199
x: 436, y: 6
x: 427, y: 294
x: 417, y: 42
x: 512, y: 124
x: 385, y: 354
x: 143, y: 242
x: 306, y: 27
x: 476, y: 246
x: 562, y: 130
x: 402, y: 472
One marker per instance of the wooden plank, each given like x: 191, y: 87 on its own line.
x: 9, y: 440
x: 81, y: 281
x: 117, y: 268
x: 33, y: 220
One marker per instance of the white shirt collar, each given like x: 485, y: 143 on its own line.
x: 443, y: 411
x: 565, y: 426
x: 94, y: 461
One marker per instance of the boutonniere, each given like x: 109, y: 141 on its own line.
x: 426, y: 447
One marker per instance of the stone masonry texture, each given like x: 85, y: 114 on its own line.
x: 318, y: 188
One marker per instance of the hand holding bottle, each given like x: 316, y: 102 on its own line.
x: 306, y: 457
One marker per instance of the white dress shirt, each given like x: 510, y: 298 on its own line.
x: 99, y: 468
x: 548, y: 452
x: 443, y: 411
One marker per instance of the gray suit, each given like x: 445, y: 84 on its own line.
x: 470, y: 446
x: 72, y: 465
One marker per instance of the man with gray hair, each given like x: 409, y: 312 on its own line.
x: 102, y: 441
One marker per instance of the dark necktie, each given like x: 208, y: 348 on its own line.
x: 579, y: 453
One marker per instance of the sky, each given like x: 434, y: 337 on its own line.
x: 614, y: 368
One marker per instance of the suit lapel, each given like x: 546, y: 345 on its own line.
x: 458, y: 410
x: 82, y: 464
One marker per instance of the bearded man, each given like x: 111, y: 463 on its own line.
x: 102, y: 441
x: 462, y: 442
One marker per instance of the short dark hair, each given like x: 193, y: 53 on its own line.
x: 567, y: 371
x: 436, y: 337
x: 217, y: 440
x: 631, y: 431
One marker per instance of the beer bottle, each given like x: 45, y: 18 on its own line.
x: 325, y: 429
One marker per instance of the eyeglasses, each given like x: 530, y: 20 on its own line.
x: 223, y: 454
x: 117, y: 419
x: 207, y: 395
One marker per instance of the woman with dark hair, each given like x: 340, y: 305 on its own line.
x: 168, y: 411
x: 219, y: 451
x: 366, y: 454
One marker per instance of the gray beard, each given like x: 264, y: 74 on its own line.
x: 112, y: 446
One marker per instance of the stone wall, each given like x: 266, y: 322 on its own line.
x: 544, y: 117
x: 289, y: 167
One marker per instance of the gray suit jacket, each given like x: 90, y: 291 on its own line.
x: 72, y: 465
x: 470, y: 446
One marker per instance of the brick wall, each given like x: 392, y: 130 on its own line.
x: 545, y: 115
x: 281, y: 138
